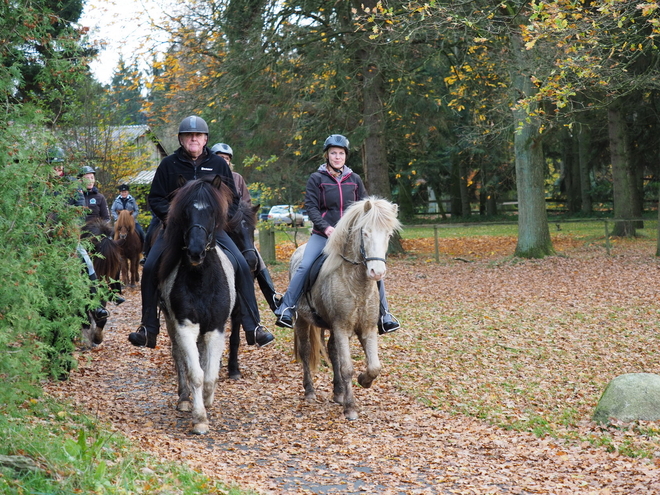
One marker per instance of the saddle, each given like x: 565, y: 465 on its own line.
x: 310, y: 278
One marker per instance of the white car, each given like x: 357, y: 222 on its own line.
x: 285, y: 214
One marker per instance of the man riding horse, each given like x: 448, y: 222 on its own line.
x: 192, y: 161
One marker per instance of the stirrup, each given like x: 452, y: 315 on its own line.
x: 389, y: 326
x: 284, y: 320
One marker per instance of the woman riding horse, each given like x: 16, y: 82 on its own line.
x: 330, y: 191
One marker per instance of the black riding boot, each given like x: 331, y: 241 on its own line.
x: 268, y: 289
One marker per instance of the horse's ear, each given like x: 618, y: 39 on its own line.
x: 395, y: 209
x: 367, y: 205
x: 181, y: 181
x: 217, y: 182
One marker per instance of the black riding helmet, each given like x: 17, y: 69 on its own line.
x: 86, y: 170
x: 336, y: 140
x: 193, y: 124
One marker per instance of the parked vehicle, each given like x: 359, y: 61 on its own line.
x: 263, y: 214
x: 286, y: 214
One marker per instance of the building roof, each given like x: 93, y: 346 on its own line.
x: 144, y: 177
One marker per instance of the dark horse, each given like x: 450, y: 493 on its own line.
x: 130, y: 243
x: 106, y: 259
x: 196, y: 283
x: 241, y: 229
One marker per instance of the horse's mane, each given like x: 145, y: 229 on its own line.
x: 101, y: 234
x: 207, y: 190
x: 370, y: 214
x: 125, y: 219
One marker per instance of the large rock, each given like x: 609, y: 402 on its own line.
x: 630, y: 397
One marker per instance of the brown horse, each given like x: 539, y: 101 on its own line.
x: 130, y: 243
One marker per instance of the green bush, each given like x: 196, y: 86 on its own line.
x: 45, y: 291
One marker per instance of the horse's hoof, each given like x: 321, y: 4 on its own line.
x: 201, y: 429
x: 235, y: 376
x: 184, y: 406
x: 364, y: 381
x: 310, y: 397
x: 339, y: 399
x: 351, y: 415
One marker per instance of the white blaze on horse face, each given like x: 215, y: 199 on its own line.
x: 200, y: 206
x: 375, y: 246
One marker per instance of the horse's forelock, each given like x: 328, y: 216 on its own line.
x: 193, y: 194
x: 125, y: 219
x: 245, y: 212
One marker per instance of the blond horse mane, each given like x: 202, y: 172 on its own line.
x: 370, y: 214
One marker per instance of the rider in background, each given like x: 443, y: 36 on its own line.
x: 263, y: 276
x: 330, y: 190
x: 192, y: 161
x: 56, y: 159
x: 126, y: 202
x: 97, y: 206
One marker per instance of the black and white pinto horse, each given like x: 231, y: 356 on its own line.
x: 196, y: 282
x: 345, y: 295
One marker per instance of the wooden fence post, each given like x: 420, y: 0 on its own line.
x: 267, y: 244
x: 607, y: 238
x: 437, y: 249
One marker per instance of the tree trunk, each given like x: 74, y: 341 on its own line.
x: 584, y: 158
x: 374, y: 152
x: 466, y: 209
x: 622, y: 177
x: 533, y: 232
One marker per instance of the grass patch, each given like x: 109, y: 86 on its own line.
x: 72, y: 453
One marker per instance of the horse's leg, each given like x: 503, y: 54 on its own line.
x: 183, y: 389
x: 337, y: 383
x: 186, y: 336
x: 343, y: 373
x: 234, y: 344
x: 135, y: 268
x: 97, y: 334
x: 132, y: 270
x: 370, y: 345
x: 302, y: 335
x: 211, y: 353
x: 124, y: 270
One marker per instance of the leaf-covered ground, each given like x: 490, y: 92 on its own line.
x: 487, y: 388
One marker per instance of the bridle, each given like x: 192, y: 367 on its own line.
x: 248, y: 249
x: 210, y: 240
x: 364, y: 259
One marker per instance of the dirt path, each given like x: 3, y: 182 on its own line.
x: 265, y: 437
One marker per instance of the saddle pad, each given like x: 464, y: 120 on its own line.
x: 312, y: 275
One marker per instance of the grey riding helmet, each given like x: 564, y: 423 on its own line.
x: 336, y: 140
x: 193, y: 124
x: 222, y: 148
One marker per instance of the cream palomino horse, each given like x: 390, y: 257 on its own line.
x: 345, y: 295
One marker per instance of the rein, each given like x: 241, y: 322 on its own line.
x: 209, y: 236
x: 365, y: 259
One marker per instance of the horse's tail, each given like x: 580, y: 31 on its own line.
x: 107, y: 265
x: 315, y: 337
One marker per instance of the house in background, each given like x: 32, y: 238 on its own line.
x: 120, y: 154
